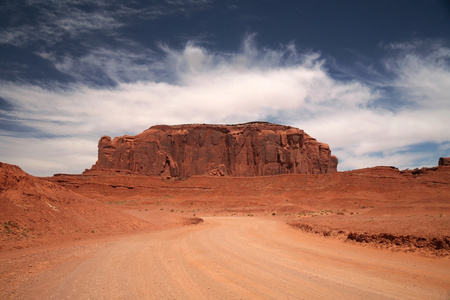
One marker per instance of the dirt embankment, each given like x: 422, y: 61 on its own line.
x: 430, y: 246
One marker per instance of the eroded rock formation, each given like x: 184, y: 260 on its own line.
x: 250, y: 149
x: 444, y: 161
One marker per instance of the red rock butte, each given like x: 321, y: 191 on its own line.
x: 250, y: 149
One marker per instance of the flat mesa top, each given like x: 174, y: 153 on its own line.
x: 256, y: 124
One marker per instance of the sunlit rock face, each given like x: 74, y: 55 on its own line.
x: 250, y: 149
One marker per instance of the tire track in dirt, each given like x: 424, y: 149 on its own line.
x: 238, y: 258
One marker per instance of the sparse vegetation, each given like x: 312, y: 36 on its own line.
x: 11, y: 227
x: 122, y: 202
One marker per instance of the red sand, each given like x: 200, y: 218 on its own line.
x: 411, y: 207
x: 68, y: 220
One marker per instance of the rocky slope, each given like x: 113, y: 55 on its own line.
x: 35, y: 211
x: 250, y: 149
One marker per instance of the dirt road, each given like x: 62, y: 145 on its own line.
x: 227, y: 258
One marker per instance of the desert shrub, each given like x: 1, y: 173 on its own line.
x: 193, y: 221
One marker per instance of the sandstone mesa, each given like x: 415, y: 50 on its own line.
x: 250, y: 149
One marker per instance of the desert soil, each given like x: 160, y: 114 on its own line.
x: 221, y: 258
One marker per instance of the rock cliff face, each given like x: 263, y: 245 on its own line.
x: 444, y: 161
x: 250, y: 149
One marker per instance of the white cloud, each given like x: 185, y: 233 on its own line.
x: 211, y: 89
x: 422, y: 79
x: 254, y: 84
x: 47, y: 156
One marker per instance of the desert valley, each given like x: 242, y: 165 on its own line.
x: 248, y: 211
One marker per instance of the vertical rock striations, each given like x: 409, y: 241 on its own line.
x: 250, y: 149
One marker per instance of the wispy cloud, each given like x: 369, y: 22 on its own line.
x: 64, y: 19
x: 203, y: 86
x: 52, y: 20
x: 422, y: 69
x: 103, y: 66
x: 86, y: 40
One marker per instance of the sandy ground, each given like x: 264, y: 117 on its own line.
x: 222, y: 258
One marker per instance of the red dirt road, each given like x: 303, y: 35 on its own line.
x: 222, y: 258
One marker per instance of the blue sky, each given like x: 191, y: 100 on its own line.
x: 370, y: 78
